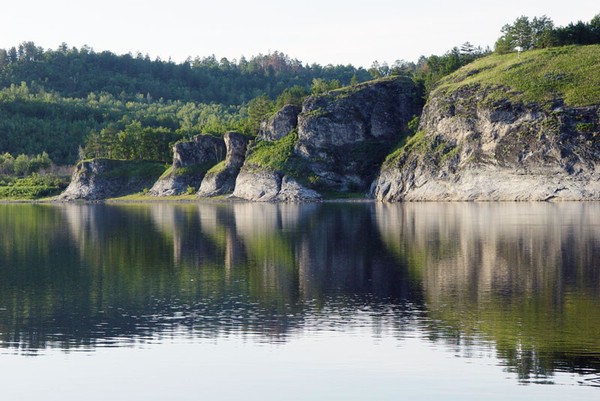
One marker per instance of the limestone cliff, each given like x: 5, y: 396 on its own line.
x: 264, y: 185
x: 220, y: 179
x: 488, y: 134
x: 505, y: 127
x: 337, y: 144
x: 269, y: 172
x: 103, y: 178
x: 191, y: 161
x: 344, y: 135
x: 280, y: 124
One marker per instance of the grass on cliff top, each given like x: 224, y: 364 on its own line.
x: 417, y: 141
x: 571, y: 73
x: 274, y: 155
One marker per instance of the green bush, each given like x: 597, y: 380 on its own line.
x: 280, y: 156
x: 585, y: 127
x: 22, y: 192
x: 134, y: 169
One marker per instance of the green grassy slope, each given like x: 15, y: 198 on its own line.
x: 571, y: 73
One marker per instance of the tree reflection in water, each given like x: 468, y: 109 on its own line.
x: 516, y: 277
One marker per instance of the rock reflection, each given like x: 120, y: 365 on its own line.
x: 522, y: 276
x: 93, y: 273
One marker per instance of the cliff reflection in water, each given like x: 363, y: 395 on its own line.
x: 517, y: 278
x: 85, y: 275
x: 523, y: 276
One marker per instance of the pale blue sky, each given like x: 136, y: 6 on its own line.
x: 321, y: 31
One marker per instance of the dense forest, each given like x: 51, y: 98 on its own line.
x: 53, y: 100
x: 77, y: 103
x: 75, y: 73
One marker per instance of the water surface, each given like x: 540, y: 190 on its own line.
x: 348, y: 301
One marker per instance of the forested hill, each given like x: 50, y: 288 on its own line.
x: 55, y: 100
x: 74, y: 73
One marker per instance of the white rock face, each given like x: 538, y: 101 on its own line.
x: 266, y: 186
x: 168, y: 186
x: 222, y: 182
x: 502, y: 152
x: 491, y: 184
x: 257, y: 185
x: 197, y: 156
x: 96, y: 180
x: 292, y: 191
x: 280, y: 124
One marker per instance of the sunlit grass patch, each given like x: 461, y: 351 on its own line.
x: 571, y: 73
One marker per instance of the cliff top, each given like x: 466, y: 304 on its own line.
x: 570, y: 73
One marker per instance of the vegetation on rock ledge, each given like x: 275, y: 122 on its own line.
x: 279, y: 156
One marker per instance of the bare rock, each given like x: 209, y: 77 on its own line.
x: 280, y: 124
x: 262, y: 185
x: 255, y: 184
x: 292, y: 191
x: 99, y: 179
x: 191, y: 161
x: 503, y: 151
x: 344, y: 135
x: 220, y: 179
x: 336, y: 143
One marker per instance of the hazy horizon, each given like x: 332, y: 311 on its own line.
x: 324, y: 32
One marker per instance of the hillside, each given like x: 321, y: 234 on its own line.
x: 570, y: 74
x: 75, y: 73
x: 59, y: 101
x: 506, y: 127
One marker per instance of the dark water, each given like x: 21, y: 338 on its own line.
x: 343, y: 301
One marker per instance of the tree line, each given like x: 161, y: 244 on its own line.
x: 73, y: 72
x: 23, y: 165
x: 540, y: 32
x: 33, y: 120
x: 428, y: 70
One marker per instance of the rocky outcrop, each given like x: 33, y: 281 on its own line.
x: 264, y: 185
x: 191, y: 161
x: 469, y: 149
x: 220, y: 179
x: 103, y: 178
x: 280, y: 124
x: 338, y: 142
x: 201, y: 149
x: 344, y: 135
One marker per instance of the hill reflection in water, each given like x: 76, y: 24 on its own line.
x: 516, y: 278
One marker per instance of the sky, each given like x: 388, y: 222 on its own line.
x: 313, y: 31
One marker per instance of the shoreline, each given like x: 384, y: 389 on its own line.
x: 138, y: 198
x: 183, y: 199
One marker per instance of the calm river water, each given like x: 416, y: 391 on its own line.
x: 332, y: 301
